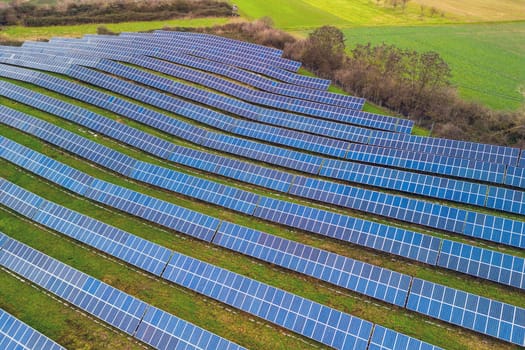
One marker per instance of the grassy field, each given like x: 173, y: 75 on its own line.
x: 21, y: 33
x: 487, y: 60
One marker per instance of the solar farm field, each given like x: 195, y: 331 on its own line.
x: 175, y: 190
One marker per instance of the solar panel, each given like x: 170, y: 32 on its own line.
x: 370, y: 234
x: 470, y: 311
x: 351, y: 274
x: 310, y: 319
x: 16, y: 335
x: 158, y: 211
x: 483, y: 263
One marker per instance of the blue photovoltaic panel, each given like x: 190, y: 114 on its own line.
x: 93, y: 296
x: 46, y: 167
x: 155, y: 210
x: 431, y: 186
x: 18, y: 200
x: 310, y: 319
x: 388, y: 339
x: 385, y: 238
x: 16, y: 335
x: 132, y: 249
x: 484, y: 263
x: 265, y: 153
x: 470, y: 311
x: 505, y: 199
x: 515, y: 176
x: 165, y: 331
x: 351, y: 274
x: 496, y: 229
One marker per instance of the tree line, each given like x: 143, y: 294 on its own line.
x: 81, y: 12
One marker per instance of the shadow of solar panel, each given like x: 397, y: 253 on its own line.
x: 16, y: 335
x: 354, y: 275
x: 470, y: 311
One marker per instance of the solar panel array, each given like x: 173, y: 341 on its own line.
x: 16, y: 335
x: 303, y: 119
x: 405, y: 243
x: 424, y: 162
x: 461, y: 221
x: 469, y: 193
x: 318, y: 322
x: 503, y: 321
x: 210, y: 52
x: 239, y: 107
x: 118, y: 309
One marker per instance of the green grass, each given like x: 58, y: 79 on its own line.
x: 22, y: 33
x: 308, y: 14
x: 487, y: 60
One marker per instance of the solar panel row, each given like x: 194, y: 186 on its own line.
x: 118, y: 309
x: 232, y: 44
x: 484, y: 226
x: 310, y: 319
x: 16, y: 335
x: 265, y: 55
x: 400, y: 242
